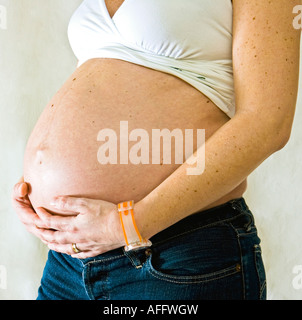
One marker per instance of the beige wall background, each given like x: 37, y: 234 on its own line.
x: 35, y: 60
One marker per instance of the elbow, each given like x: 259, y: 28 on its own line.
x: 282, y: 140
x: 283, y: 129
x: 279, y: 145
x: 267, y: 134
x: 278, y: 138
x: 276, y: 131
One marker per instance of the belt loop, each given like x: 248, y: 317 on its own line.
x: 235, y: 204
x: 241, y: 206
x: 136, y: 257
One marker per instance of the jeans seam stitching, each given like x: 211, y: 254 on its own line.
x: 261, y: 287
x: 195, y: 279
x: 102, y: 260
x: 87, y: 284
x: 242, y: 266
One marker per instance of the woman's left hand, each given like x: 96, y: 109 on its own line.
x: 94, y: 227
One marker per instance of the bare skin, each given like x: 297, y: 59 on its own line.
x: 61, y: 155
x: 164, y: 194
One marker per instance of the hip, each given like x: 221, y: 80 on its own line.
x: 213, y: 254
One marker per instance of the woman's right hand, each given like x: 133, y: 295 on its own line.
x: 24, y: 208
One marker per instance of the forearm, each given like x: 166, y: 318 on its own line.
x: 232, y: 153
x: 266, y: 68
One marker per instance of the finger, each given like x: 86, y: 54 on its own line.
x: 20, y: 189
x: 59, y: 237
x: 67, y: 249
x: 35, y: 231
x: 50, y: 236
x: 20, y: 203
x: 73, y: 204
x: 23, y: 189
x: 86, y: 254
x: 55, y: 222
x: 63, y: 248
x: 27, y: 215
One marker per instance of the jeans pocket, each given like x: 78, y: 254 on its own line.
x: 260, y: 271
x: 199, y: 256
x: 193, y: 279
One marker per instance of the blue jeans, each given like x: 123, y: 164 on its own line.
x: 213, y: 254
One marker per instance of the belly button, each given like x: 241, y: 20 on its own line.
x: 39, y: 157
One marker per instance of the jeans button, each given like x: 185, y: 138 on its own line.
x: 238, y: 267
x: 148, y: 252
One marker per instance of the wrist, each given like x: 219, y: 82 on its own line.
x: 155, y: 213
x: 146, y: 219
x: 115, y: 226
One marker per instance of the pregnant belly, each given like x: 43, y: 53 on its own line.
x: 65, y: 154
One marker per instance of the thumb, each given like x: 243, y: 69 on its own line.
x: 21, y: 188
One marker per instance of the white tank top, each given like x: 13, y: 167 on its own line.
x: 191, y: 40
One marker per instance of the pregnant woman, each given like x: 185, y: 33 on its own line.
x: 149, y: 229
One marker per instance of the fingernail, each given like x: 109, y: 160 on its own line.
x: 22, y: 189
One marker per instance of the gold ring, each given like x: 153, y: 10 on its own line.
x: 75, y: 248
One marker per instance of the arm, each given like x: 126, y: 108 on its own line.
x: 266, y: 63
x: 266, y: 67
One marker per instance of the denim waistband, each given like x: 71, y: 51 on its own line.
x: 226, y: 212
x: 223, y: 213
